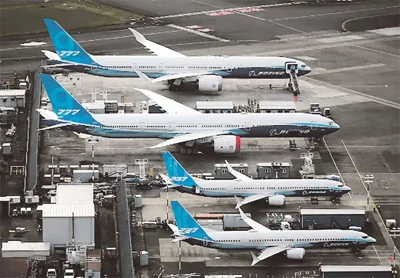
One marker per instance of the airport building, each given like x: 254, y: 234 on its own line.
x: 71, y: 219
x: 12, y: 98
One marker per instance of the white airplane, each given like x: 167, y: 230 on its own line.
x: 206, y: 72
x: 274, y: 190
x: 267, y: 242
x: 181, y: 124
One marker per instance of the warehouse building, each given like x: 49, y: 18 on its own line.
x: 19, y: 249
x: 332, y: 218
x: 12, y: 98
x: 273, y: 170
x: 358, y: 271
x: 71, y: 219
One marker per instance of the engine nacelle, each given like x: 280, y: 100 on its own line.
x: 227, y: 144
x: 295, y: 253
x: 210, y: 83
x: 278, y: 200
x: 333, y: 177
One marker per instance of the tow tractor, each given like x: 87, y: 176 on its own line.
x: 315, y: 108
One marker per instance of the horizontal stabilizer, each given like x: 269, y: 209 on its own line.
x: 54, y: 126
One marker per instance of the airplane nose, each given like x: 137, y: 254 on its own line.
x: 371, y: 240
x: 347, y: 189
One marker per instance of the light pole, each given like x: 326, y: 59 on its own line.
x: 368, y: 179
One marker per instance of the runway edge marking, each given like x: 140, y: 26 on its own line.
x: 197, y: 33
x: 228, y: 10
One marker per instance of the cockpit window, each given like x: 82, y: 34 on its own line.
x: 331, y: 123
x: 341, y: 185
x: 303, y: 66
x: 364, y: 237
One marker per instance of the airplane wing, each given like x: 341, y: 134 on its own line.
x: 179, y: 76
x: 157, y: 49
x: 253, y: 224
x: 238, y: 175
x: 169, y: 105
x: 188, y: 137
x: 250, y: 199
x: 268, y: 252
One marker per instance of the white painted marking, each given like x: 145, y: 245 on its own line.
x: 341, y: 39
x: 229, y: 9
x: 364, y: 67
x: 362, y: 17
x: 394, y: 31
x: 377, y: 51
x: 198, y: 33
x: 194, y: 26
x: 335, y: 13
x: 306, y: 58
x: 205, y: 30
x: 33, y: 44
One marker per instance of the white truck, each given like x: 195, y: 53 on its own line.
x: 69, y: 273
x: 51, y: 273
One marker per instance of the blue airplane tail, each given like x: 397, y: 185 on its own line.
x: 187, y: 225
x: 66, y: 47
x: 177, y: 174
x: 64, y: 104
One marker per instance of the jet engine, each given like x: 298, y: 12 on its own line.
x: 227, y: 144
x: 277, y: 200
x: 295, y: 253
x: 210, y: 83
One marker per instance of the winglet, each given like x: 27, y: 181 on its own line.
x: 235, y: 173
x: 255, y: 258
x: 139, y: 37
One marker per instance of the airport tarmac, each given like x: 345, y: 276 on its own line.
x: 356, y: 74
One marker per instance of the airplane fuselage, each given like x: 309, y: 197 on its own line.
x: 285, y: 187
x: 257, y: 240
x: 167, y: 126
x: 227, y: 67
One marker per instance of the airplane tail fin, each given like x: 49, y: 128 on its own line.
x: 187, y: 225
x: 65, y: 106
x: 177, y: 174
x: 66, y: 47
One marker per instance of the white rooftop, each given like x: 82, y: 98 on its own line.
x: 355, y: 268
x: 25, y: 246
x: 12, y: 93
x: 214, y: 104
x: 331, y: 211
x: 74, y: 194
x: 78, y: 210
